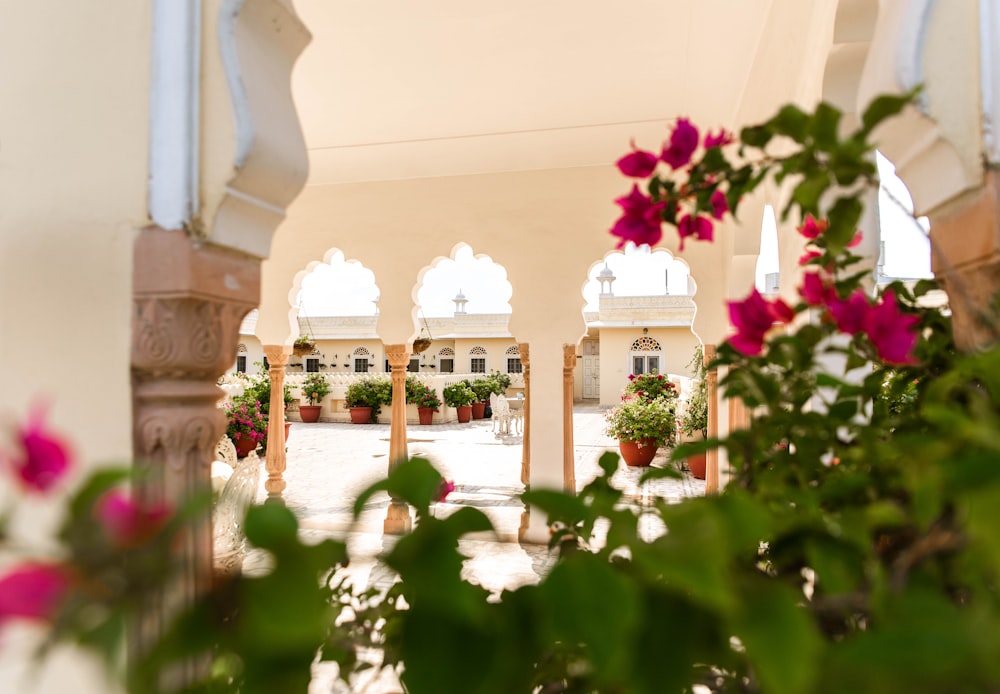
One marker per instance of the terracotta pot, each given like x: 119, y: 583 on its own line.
x: 697, y: 465
x: 288, y: 430
x: 426, y: 414
x: 361, y: 415
x: 244, y: 445
x: 310, y: 413
x: 464, y: 413
x: 478, y: 410
x: 638, y: 453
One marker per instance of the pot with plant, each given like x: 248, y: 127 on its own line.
x: 365, y: 397
x: 692, y: 424
x: 303, y: 346
x: 460, y: 396
x: 246, y: 424
x: 426, y: 400
x: 483, y: 387
x: 641, y: 427
x: 315, y: 387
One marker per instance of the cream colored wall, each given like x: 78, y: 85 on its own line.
x: 616, y: 344
x: 496, y: 360
x: 255, y: 353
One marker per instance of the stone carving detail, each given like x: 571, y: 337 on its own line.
x: 646, y: 344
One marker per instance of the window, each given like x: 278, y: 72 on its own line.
x: 241, y: 363
x: 360, y: 365
x: 312, y: 364
x: 645, y: 356
x: 447, y: 366
x: 514, y: 366
x: 477, y: 365
x: 645, y: 365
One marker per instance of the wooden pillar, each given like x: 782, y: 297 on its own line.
x: 569, y: 462
x: 277, y: 358
x: 522, y: 350
x: 189, y: 299
x: 397, y: 520
x: 712, y: 457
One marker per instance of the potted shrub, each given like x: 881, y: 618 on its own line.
x: 460, y: 396
x: 246, y: 424
x: 650, y: 387
x: 315, y: 387
x: 365, y: 398
x: 482, y: 387
x: 692, y: 424
x: 426, y: 400
x: 641, y: 426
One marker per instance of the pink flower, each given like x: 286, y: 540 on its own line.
x: 719, y: 204
x: 850, y: 314
x: 892, y: 333
x: 32, y: 591
x: 126, y: 522
x: 45, y: 458
x: 640, y: 221
x: 856, y: 241
x: 813, y: 229
x: 698, y: 227
x: 683, y: 143
x: 638, y: 164
x: 816, y: 291
x: 752, y: 318
x: 723, y: 138
x: 809, y: 255
x: 444, y: 489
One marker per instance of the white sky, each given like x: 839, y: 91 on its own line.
x: 349, y: 289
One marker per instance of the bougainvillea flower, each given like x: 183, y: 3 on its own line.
x: 683, y: 143
x: 809, y: 255
x: 638, y: 164
x: 856, y: 241
x: 816, y: 291
x: 444, y: 489
x: 719, y: 204
x: 724, y: 137
x: 32, y: 591
x: 850, y: 314
x: 813, y: 229
x: 44, y: 458
x: 892, y: 333
x: 126, y: 522
x: 699, y: 227
x: 640, y: 221
x: 752, y: 318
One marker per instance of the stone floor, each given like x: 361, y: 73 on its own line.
x: 329, y: 464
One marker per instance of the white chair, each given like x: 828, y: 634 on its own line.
x: 501, y: 415
x: 516, y: 411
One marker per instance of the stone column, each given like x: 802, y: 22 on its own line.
x: 277, y: 358
x: 522, y: 350
x: 569, y: 462
x: 397, y: 519
x: 189, y: 300
x: 712, y: 457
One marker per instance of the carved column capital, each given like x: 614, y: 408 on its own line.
x: 398, y: 356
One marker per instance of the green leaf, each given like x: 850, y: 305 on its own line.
x: 271, y: 526
x: 844, y: 216
x: 885, y: 106
x: 824, y: 125
x: 808, y: 192
x: 415, y: 481
x: 791, y: 121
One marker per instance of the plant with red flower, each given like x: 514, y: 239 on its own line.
x: 128, y: 523
x: 753, y: 318
x: 33, y: 591
x: 44, y: 457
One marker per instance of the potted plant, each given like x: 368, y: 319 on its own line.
x: 246, y: 424
x: 641, y: 426
x: 482, y: 387
x: 315, y: 387
x: 426, y: 400
x: 303, y: 346
x: 650, y: 387
x: 365, y: 398
x: 692, y: 424
x: 460, y: 396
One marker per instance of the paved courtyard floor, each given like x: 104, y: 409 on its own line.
x: 329, y: 464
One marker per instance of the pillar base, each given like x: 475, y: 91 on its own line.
x: 397, y: 519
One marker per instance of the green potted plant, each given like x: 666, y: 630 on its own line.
x: 641, y: 426
x: 246, y: 424
x: 692, y: 420
x: 460, y: 396
x: 315, y: 387
x: 483, y: 387
x: 303, y: 346
x: 650, y: 387
x: 365, y: 397
x: 424, y: 397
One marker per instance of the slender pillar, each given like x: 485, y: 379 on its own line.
x: 277, y: 358
x: 569, y: 462
x: 189, y: 300
x: 397, y: 518
x: 522, y: 350
x: 712, y: 457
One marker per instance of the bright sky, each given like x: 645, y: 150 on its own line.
x: 348, y: 289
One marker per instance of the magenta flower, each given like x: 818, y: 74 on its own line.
x: 892, y: 333
x: 719, y: 204
x: 32, y: 591
x: 126, y: 522
x: 813, y: 229
x: 638, y: 164
x: 856, y: 241
x: 444, y: 489
x: 699, y: 227
x: 815, y: 291
x: 45, y: 457
x: 752, y: 318
x: 683, y: 143
x: 850, y: 314
x: 723, y: 138
x: 809, y: 255
x: 640, y: 221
